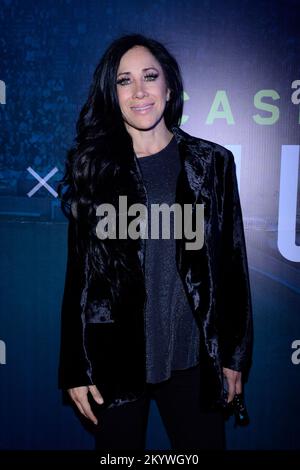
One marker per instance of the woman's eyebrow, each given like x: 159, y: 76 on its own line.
x: 143, y: 70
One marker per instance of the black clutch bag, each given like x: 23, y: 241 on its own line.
x: 236, y: 407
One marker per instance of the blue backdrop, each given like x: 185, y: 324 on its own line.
x: 240, y: 64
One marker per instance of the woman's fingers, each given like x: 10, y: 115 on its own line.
x: 96, y: 394
x: 231, y: 388
x: 238, y: 384
x: 234, y: 381
x: 80, y: 408
x: 88, y: 410
x: 80, y: 397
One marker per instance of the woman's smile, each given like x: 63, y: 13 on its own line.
x: 142, y: 109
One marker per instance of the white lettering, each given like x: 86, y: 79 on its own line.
x: 288, y: 203
x: 2, y: 92
x: 2, y: 352
x: 296, y: 354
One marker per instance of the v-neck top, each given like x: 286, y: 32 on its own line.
x: 171, y: 331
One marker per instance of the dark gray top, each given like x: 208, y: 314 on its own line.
x: 172, y: 334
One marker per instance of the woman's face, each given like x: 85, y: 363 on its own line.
x: 142, y: 90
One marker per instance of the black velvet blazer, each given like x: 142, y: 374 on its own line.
x: 104, y: 344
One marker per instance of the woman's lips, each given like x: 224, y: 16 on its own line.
x: 142, y: 109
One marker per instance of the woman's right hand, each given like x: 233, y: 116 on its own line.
x: 79, y: 395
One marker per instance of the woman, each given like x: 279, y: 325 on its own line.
x: 151, y: 317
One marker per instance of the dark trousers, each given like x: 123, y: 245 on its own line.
x: 178, y: 401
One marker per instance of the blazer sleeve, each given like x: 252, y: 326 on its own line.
x: 73, y: 361
x: 236, y: 332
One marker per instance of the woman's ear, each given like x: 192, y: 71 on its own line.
x: 168, y: 94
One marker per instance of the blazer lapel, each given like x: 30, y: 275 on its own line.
x: 195, y: 161
x: 194, y: 266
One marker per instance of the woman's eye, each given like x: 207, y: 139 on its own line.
x: 151, y: 76
x: 122, y: 81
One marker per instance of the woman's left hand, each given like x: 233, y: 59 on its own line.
x: 234, y: 380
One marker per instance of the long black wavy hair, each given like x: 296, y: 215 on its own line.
x: 93, y: 163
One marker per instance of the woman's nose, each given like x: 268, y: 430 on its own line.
x: 140, y: 90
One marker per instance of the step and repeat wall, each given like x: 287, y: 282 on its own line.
x: 240, y: 64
